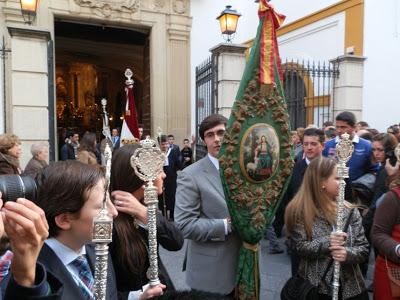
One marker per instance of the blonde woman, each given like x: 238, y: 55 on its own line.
x: 310, y: 218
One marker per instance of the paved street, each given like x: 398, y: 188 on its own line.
x: 275, y: 270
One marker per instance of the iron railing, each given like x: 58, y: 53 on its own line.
x: 205, y: 99
x: 309, y: 93
x: 308, y: 88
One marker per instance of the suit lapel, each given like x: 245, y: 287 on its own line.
x: 212, y: 176
x: 53, y: 264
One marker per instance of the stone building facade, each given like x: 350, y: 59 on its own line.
x: 31, y: 72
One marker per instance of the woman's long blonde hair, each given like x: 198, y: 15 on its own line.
x: 311, y: 200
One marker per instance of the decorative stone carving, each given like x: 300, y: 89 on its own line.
x: 180, y: 6
x: 107, y: 7
x: 159, y: 4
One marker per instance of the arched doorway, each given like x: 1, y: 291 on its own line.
x: 90, y: 65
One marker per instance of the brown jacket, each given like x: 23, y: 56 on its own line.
x: 86, y: 157
x: 34, y: 166
x: 9, y: 165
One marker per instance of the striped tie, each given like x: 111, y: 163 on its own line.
x: 85, y: 276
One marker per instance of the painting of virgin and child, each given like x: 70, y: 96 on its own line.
x: 259, y: 152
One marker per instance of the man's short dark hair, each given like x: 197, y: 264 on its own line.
x: 71, y: 133
x: 186, y: 140
x: 63, y: 188
x: 315, y: 132
x: 363, y: 124
x: 328, y: 123
x: 171, y: 136
x: 210, y: 122
x: 348, y: 117
x: 162, y: 139
x: 367, y: 135
x: 330, y: 133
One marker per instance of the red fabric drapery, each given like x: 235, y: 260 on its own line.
x: 269, y: 53
x: 130, y: 115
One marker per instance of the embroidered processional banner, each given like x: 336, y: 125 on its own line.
x: 256, y: 155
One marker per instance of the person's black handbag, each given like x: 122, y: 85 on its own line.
x: 299, y: 288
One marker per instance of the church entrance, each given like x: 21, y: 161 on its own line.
x: 90, y: 65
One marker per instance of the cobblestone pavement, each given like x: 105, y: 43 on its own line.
x: 274, y: 270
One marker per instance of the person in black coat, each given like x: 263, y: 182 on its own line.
x: 187, y: 154
x: 69, y: 149
x: 383, y: 146
x: 313, y: 145
x: 130, y: 239
x: 172, y: 165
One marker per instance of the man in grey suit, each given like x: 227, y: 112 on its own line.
x: 202, y: 214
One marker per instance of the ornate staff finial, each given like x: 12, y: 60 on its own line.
x: 344, y: 150
x: 128, y: 75
x: 106, y: 125
x: 148, y: 163
x: 102, y: 236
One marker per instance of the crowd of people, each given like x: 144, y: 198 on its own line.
x: 47, y: 251
x: 309, y: 209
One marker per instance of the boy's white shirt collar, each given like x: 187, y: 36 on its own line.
x: 214, y: 160
x: 64, y: 253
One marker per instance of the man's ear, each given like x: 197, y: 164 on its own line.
x: 63, y: 221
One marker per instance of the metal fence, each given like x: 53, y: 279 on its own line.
x: 309, y: 93
x: 308, y: 88
x: 205, y: 98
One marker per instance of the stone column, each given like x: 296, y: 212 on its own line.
x: 178, y: 81
x: 348, y: 87
x: 231, y: 61
x: 28, y: 99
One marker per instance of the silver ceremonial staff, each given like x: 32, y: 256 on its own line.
x: 344, y: 150
x: 103, y: 223
x: 148, y: 163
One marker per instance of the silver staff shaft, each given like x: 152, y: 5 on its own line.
x: 344, y: 150
x: 148, y: 163
x: 102, y: 236
x: 151, y: 200
x: 339, y: 228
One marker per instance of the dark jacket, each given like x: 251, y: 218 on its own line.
x: 168, y: 236
x: 39, y: 291
x: 67, y: 152
x: 71, y: 290
x: 33, y: 167
x: 174, y: 165
x: 9, y: 165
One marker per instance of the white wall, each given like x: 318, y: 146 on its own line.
x: 381, y: 100
x: 295, y: 9
x: 322, y: 40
